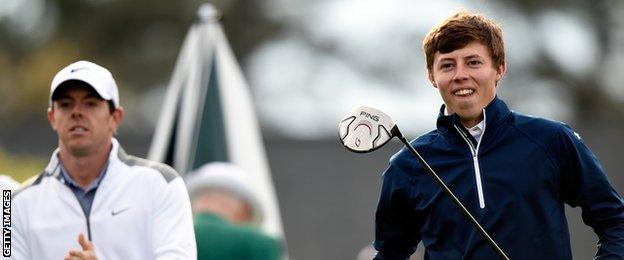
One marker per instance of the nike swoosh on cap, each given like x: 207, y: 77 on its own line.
x: 77, y: 69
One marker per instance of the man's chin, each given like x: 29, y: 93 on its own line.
x: 78, y: 150
x: 466, y: 109
x: 469, y: 113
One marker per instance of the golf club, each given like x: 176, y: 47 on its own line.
x: 365, y: 129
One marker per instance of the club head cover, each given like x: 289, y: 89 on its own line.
x: 365, y: 129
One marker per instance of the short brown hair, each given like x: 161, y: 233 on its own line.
x: 460, y: 29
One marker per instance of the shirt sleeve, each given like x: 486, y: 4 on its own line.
x: 19, y: 239
x: 585, y: 184
x: 397, y: 228
x: 173, y: 233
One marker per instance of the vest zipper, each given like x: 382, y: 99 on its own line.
x: 475, y: 161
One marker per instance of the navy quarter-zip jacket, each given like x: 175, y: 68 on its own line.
x: 515, y: 182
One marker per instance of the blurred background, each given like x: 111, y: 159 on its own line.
x: 307, y: 64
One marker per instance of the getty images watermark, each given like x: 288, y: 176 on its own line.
x: 6, y: 223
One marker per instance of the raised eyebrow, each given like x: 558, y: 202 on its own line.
x: 474, y: 56
x: 446, y: 59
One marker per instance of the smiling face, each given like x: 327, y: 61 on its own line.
x: 82, y: 120
x: 466, y: 79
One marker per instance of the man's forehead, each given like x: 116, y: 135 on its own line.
x: 465, y: 56
x: 472, y: 50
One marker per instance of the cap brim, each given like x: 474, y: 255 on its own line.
x: 64, y: 84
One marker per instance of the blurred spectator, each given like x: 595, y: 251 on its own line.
x: 227, y: 214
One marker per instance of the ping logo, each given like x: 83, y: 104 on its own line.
x: 367, y: 115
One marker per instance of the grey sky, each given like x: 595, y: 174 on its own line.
x: 340, y: 54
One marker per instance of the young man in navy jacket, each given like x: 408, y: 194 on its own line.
x: 513, y: 172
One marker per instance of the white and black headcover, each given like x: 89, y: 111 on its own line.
x: 365, y: 129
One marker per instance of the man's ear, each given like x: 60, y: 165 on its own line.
x: 51, y: 118
x: 118, y: 115
x: 500, y: 72
x: 431, y: 78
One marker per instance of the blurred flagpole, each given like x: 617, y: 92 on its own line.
x: 208, y: 115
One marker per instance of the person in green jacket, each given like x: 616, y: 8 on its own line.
x: 227, y: 214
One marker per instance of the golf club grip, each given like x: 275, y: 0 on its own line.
x: 454, y: 198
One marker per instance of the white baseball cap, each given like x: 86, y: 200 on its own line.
x: 96, y: 76
x: 225, y: 176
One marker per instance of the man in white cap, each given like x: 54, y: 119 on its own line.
x: 227, y: 214
x: 93, y: 201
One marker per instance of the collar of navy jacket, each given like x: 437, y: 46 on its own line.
x: 496, y: 113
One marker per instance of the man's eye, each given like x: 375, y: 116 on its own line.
x: 92, y: 102
x: 474, y: 63
x: 446, y: 66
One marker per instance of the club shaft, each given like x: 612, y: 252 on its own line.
x: 454, y: 198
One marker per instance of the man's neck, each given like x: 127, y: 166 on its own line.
x: 84, y: 169
x: 466, y: 122
x: 471, y: 122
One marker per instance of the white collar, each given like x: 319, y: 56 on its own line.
x: 53, y: 165
x: 476, y: 131
x: 477, y: 127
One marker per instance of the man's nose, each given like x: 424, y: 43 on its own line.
x: 460, y: 73
x: 76, y: 111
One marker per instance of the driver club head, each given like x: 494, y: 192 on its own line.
x: 365, y: 129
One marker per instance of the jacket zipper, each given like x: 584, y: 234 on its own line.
x: 87, y: 216
x: 475, y: 161
x: 89, y: 229
x: 57, y: 173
